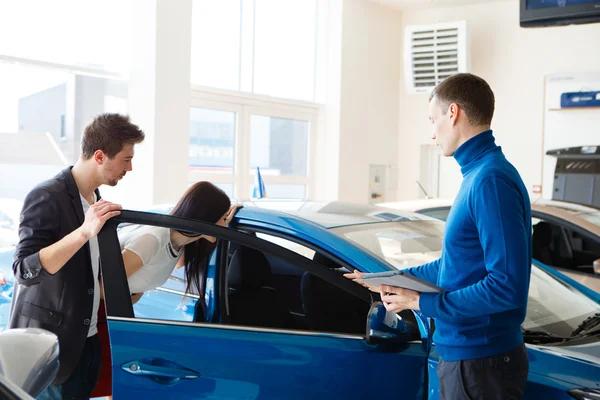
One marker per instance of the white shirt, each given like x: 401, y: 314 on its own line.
x: 153, y: 245
x: 95, y: 258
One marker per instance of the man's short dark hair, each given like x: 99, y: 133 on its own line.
x: 109, y: 133
x: 472, y: 94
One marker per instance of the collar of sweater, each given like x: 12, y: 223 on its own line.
x: 468, y: 153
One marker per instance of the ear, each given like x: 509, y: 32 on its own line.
x: 453, y: 112
x: 99, y: 157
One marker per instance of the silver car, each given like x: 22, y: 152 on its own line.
x: 566, y: 236
x: 28, y: 362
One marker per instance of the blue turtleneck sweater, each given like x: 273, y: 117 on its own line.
x: 486, y: 259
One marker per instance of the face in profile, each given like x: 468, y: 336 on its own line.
x: 114, y: 169
x: 221, y: 222
x: 443, y: 131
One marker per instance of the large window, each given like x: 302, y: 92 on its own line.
x: 212, y: 140
x: 60, y: 65
x: 284, y: 48
x: 216, y: 43
x: 278, y: 145
x: 233, y: 137
x: 89, y: 34
x: 264, y: 47
x: 44, y: 112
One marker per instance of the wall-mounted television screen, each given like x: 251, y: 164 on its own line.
x: 558, y: 12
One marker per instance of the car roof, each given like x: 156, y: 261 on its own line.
x: 573, y: 213
x: 570, y: 212
x: 324, y: 214
x: 417, y: 205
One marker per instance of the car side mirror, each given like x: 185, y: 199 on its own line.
x: 385, y: 327
x: 597, y: 267
x: 29, y: 358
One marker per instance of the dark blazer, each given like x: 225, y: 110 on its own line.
x: 60, y: 303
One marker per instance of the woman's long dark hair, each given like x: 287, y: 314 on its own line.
x: 203, y: 201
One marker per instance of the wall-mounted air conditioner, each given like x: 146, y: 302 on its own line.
x: 434, y: 52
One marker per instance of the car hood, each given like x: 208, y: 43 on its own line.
x: 579, y: 365
x: 586, y: 353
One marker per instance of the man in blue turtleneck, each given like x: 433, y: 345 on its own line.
x: 486, y: 259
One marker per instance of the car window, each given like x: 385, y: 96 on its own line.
x: 167, y: 301
x: 268, y: 291
x: 402, y: 244
x: 593, y: 217
x: 288, y: 244
x: 260, y: 290
x: 554, y: 306
x: 441, y: 214
x: 563, y: 247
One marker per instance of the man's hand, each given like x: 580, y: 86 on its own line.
x: 396, y: 299
x: 355, y: 276
x: 96, y: 216
x: 136, y: 297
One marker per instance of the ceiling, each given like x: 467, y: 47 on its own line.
x: 416, y: 4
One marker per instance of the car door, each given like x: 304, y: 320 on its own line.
x: 209, y: 358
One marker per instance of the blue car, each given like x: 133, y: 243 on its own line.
x: 7, y: 282
x: 279, y: 320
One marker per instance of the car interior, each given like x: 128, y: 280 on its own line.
x: 564, y: 248
x: 270, y: 292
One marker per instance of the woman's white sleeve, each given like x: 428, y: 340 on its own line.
x: 145, y: 246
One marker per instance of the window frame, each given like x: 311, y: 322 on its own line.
x: 246, y: 61
x: 116, y: 289
x: 245, y: 105
x: 325, y: 273
x: 563, y: 224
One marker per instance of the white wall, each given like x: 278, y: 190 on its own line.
x: 514, y: 61
x: 567, y: 127
x: 159, y: 103
x: 369, y: 94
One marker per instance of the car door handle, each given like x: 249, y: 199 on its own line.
x: 162, y: 371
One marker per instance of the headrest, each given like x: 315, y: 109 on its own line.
x: 542, y: 233
x: 326, y: 261
x: 249, y: 269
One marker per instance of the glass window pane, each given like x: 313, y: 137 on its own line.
x: 39, y: 132
x: 212, y: 140
x: 71, y: 32
x: 283, y: 191
x: 216, y: 43
x: 279, y: 146
x: 228, y: 188
x: 402, y: 244
x: 284, y: 49
x: 288, y: 244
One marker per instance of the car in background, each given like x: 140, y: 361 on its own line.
x: 7, y: 282
x: 279, y: 320
x: 9, y: 221
x: 29, y: 362
x: 566, y: 236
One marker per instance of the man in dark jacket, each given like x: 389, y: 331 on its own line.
x: 56, y: 263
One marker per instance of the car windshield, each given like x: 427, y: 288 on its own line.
x: 402, y: 244
x: 554, y: 306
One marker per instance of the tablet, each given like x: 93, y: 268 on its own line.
x: 401, y: 280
